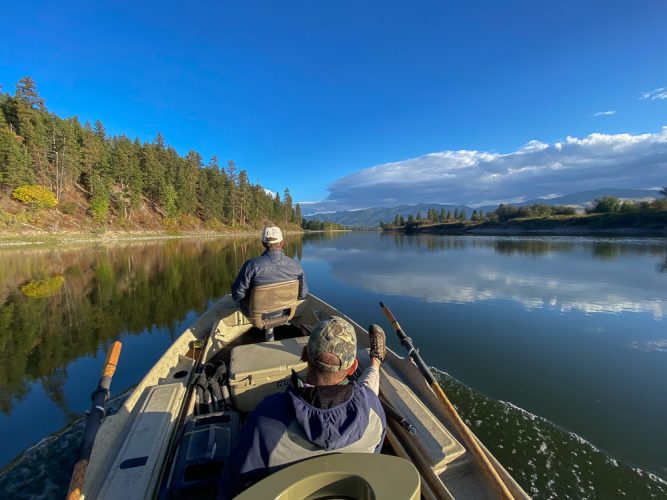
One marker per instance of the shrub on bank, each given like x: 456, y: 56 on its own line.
x: 170, y: 225
x: 68, y: 208
x: 35, y: 196
x: 214, y: 224
x: 99, y: 207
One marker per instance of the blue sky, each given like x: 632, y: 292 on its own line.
x: 309, y: 94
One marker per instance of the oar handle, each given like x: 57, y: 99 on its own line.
x: 95, y: 417
x: 112, y: 360
x: 466, y: 434
x: 392, y: 320
x: 78, y: 477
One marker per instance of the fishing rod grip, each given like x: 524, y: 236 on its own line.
x: 112, y: 360
x: 78, y: 477
x: 392, y: 320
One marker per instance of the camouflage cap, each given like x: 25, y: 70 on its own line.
x: 333, y: 335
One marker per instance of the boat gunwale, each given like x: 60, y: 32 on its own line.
x: 115, y: 428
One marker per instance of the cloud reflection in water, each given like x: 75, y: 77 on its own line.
x: 563, y: 274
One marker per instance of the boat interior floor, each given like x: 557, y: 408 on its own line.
x: 212, y: 426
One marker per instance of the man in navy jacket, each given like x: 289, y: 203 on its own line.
x: 326, y: 413
x: 273, y: 266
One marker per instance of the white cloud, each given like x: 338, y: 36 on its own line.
x: 659, y: 94
x: 536, y: 170
x: 611, y: 112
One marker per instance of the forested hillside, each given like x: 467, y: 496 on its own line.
x: 58, y: 169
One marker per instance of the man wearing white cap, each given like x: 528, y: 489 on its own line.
x: 273, y: 266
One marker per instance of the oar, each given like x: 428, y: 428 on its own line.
x: 468, y: 437
x: 95, y: 417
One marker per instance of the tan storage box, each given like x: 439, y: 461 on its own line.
x: 259, y: 370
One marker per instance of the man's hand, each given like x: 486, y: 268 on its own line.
x: 378, y: 343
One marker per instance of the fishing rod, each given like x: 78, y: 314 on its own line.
x: 402, y: 421
x: 470, y: 440
x: 96, y: 414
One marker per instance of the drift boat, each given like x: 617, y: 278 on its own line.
x: 171, y: 437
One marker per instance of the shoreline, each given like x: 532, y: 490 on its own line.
x: 606, y: 233
x: 26, y: 238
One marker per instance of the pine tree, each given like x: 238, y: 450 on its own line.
x: 14, y: 161
x: 127, y: 176
x: 232, y: 192
x: 26, y: 92
x: 401, y: 221
x: 450, y: 217
x: 287, y: 205
x: 243, y: 197
x: 277, y: 208
x: 297, y: 213
x: 30, y: 123
x: 443, y: 216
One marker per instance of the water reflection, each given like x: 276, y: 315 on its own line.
x: 567, y: 328
x: 563, y: 274
x: 59, y: 305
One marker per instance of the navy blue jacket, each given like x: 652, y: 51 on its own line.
x: 284, y: 429
x: 273, y: 266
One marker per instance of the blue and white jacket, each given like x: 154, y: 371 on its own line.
x: 284, y: 429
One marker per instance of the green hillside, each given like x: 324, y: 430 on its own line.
x: 96, y: 180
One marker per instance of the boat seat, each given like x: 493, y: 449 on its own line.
x: 273, y: 305
x: 261, y: 369
x: 359, y: 476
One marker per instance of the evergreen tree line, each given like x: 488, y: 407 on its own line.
x: 502, y: 213
x: 433, y: 216
x: 121, y: 174
x: 318, y: 225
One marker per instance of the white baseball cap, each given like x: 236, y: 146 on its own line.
x: 272, y: 234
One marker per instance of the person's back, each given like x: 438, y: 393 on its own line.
x: 326, y: 413
x: 273, y: 266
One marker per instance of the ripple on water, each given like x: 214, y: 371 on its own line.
x: 546, y: 460
x: 43, y: 471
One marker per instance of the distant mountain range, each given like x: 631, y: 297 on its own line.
x: 371, y: 217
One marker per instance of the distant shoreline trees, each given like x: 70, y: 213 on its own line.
x: 506, y: 213
x: 318, y: 225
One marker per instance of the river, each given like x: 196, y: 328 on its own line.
x: 553, y: 349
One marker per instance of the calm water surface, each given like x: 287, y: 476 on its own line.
x: 553, y: 349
